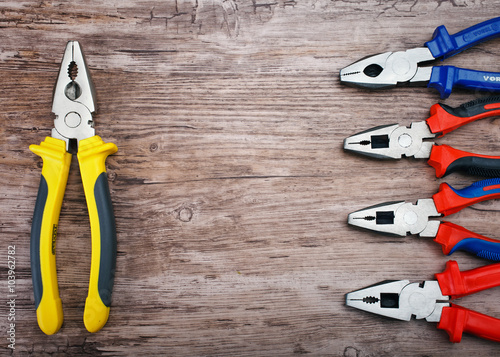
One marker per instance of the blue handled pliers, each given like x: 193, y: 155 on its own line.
x: 392, y: 69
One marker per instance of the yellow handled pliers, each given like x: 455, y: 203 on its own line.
x: 73, y: 132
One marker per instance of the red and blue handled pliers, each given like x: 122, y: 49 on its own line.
x: 394, y: 141
x: 392, y: 69
x: 430, y: 300
x: 403, y: 218
x: 73, y: 133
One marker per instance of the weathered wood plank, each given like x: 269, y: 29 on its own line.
x: 230, y: 186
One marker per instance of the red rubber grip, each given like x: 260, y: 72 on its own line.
x: 449, y: 234
x: 456, y: 320
x: 442, y: 121
x: 456, y: 284
x: 442, y: 156
x: 448, y: 201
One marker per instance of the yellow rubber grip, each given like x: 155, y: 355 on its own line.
x: 92, y: 154
x: 56, y: 163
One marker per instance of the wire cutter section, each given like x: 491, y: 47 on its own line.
x: 73, y: 105
x: 394, y: 141
x: 392, y: 69
x: 404, y: 218
x: 430, y: 300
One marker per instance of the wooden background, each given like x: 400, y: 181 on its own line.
x: 230, y: 187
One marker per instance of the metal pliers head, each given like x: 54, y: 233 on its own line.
x: 398, y: 218
x: 74, y: 99
x: 401, y: 300
x: 392, y: 141
x: 388, y: 69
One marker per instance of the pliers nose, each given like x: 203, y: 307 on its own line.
x: 74, y: 99
x: 392, y: 141
x: 400, y: 300
x: 386, y: 70
x: 397, y: 218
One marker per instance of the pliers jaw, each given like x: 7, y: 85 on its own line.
x: 401, y: 300
x: 398, y: 218
x: 392, y: 141
x: 74, y: 99
x: 389, y: 69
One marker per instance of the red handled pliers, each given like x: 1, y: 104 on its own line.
x: 402, y: 218
x: 430, y: 300
x: 394, y: 141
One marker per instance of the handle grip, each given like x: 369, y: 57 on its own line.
x: 445, y: 119
x: 445, y: 78
x: 446, y: 160
x: 445, y: 45
x: 456, y: 320
x: 456, y: 284
x: 55, y: 170
x: 449, y: 200
x: 92, y: 154
x: 453, y: 237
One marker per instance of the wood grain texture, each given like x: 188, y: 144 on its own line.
x: 230, y: 186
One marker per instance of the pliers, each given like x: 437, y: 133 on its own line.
x: 394, y: 141
x: 73, y: 132
x: 403, y: 218
x: 430, y: 300
x: 392, y: 69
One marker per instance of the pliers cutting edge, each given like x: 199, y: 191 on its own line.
x: 394, y: 141
x: 403, y: 218
x: 73, y: 105
x: 430, y: 300
x: 391, y: 69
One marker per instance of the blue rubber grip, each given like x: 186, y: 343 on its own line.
x: 445, y: 45
x: 481, y: 248
x: 445, y: 78
x: 480, y: 189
